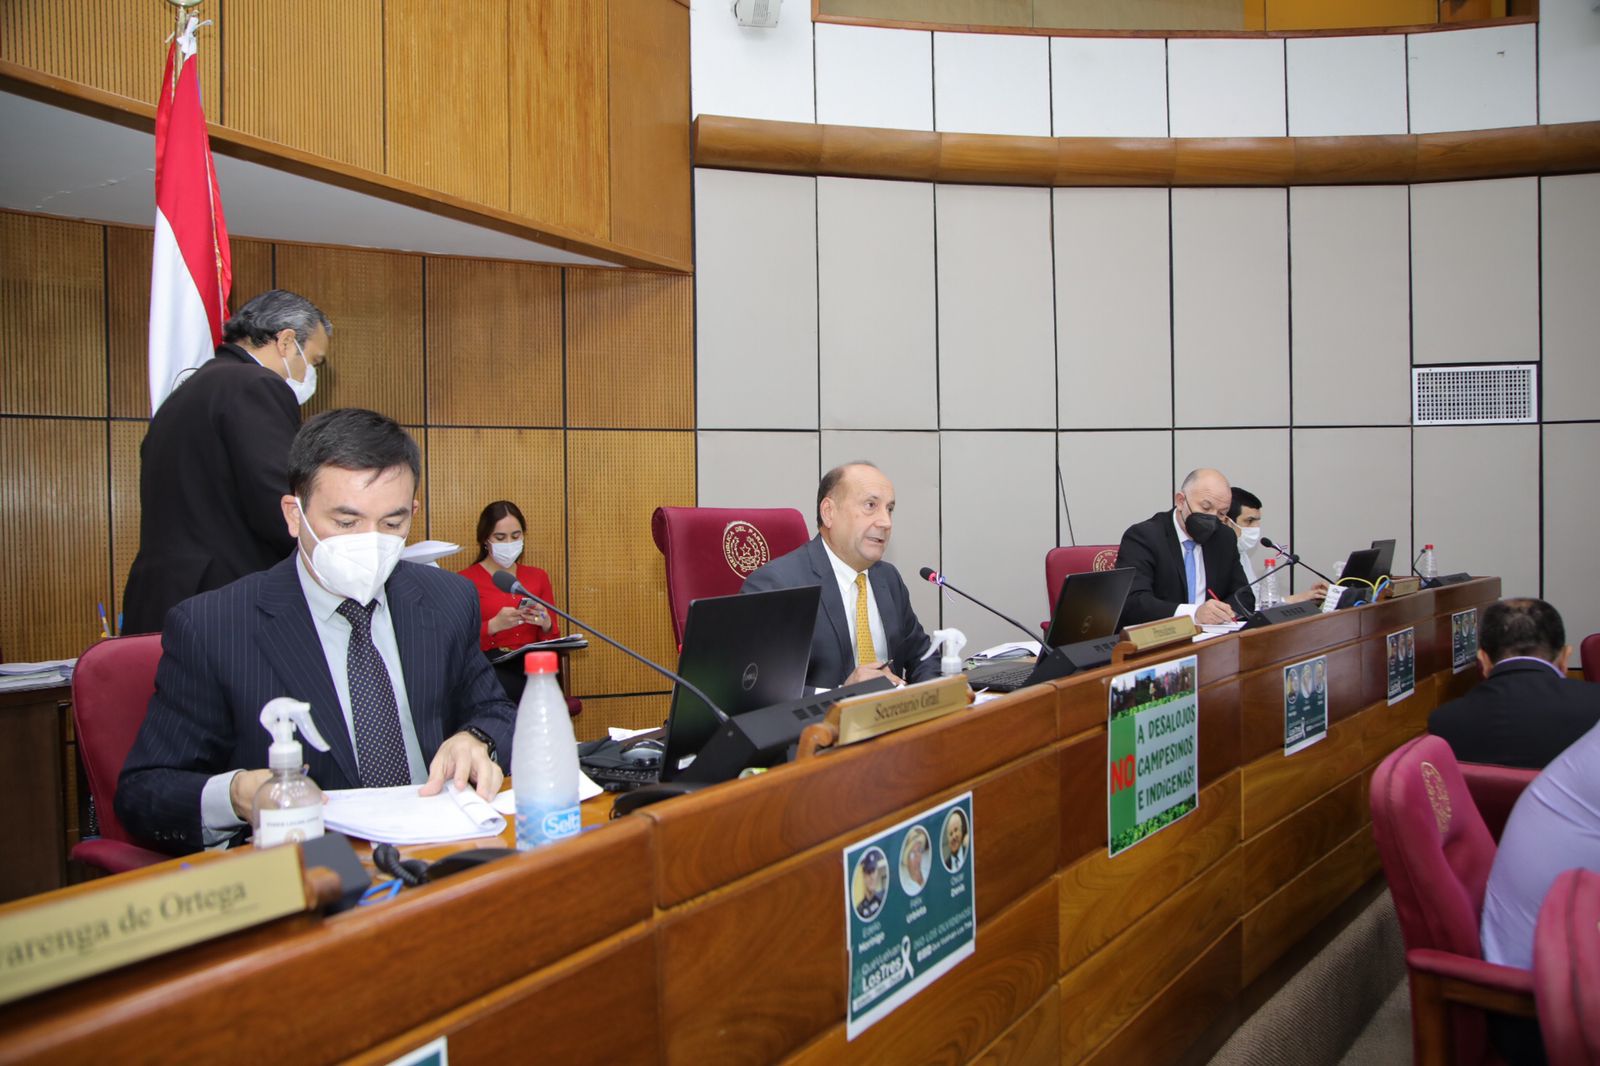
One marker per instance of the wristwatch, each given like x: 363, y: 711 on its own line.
x: 478, y: 734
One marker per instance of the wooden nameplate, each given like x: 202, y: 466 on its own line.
x: 864, y: 717
x: 1136, y: 640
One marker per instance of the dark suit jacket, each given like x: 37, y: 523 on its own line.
x: 212, y: 470
x: 833, y: 655
x: 1521, y: 715
x: 1152, y: 550
x: 225, y: 653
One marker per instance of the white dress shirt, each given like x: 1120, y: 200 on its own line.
x: 847, y: 589
x: 217, y: 819
x: 1199, y: 568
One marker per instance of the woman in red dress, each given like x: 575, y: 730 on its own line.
x: 506, y: 623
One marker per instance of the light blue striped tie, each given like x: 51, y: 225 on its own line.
x: 1188, y: 569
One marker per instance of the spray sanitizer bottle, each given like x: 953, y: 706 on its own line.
x: 288, y: 808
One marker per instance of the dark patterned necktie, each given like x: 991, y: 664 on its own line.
x: 380, y: 748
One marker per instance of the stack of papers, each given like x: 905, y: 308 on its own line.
x: 17, y: 677
x: 401, y: 815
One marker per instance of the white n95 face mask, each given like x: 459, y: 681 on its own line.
x: 304, y: 390
x: 1249, y: 539
x: 354, y: 565
x: 505, y: 552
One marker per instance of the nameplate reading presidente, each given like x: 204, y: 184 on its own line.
x: 884, y: 712
x: 50, y: 944
x: 1159, y: 633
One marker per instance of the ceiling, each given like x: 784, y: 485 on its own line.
x: 56, y: 161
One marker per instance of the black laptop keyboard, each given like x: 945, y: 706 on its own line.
x: 1001, y: 677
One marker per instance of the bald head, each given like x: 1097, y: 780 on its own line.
x: 1204, y: 491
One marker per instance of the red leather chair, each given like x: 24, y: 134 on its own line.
x: 1079, y: 559
x: 709, y: 551
x: 1494, y: 792
x: 111, y: 689
x: 1589, y: 657
x: 1566, y: 969
x: 1436, y: 854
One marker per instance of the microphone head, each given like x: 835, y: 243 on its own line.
x: 929, y: 574
x: 1266, y: 542
x: 505, y: 581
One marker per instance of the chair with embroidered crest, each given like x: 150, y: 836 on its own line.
x: 709, y: 551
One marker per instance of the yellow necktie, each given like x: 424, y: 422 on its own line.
x: 865, y: 654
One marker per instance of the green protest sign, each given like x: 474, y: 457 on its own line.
x: 1153, y: 749
x: 908, y: 909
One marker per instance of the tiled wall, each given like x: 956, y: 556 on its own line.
x: 1034, y: 367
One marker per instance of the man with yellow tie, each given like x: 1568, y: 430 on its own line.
x: 865, y: 624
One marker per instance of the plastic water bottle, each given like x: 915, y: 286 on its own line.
x: 1429, y: 567
x: 1268, y: 590
x: 544, y: 758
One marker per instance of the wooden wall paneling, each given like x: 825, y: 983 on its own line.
x: 1292, y: 641
x: 1139, y: 14
x: 52, y: 317
x: 615, y: 481
x: 1113, y: 984
x: 759, y: 1013
x: 1013, y: 964
x: 560, y: 115
x: 1034, y: 1040
x: 1101, y: 896
x: 649, y: 79
x: 494, y: 346
x: 1346, y: 14
x: 632, y: 712
x: 1221, y: 710
x: 126, y: 438
x: 445, y: 103
x: 702, y: 843
x: 115, y: 45
x: 948, y: 12
x: 128, y: 255
x: 1277, y: 784
x: 252, y: 270
x: 471, y: 468
x: 1284, y: 849
x: 1181, y: 1012
x: 1287, y: 915
x: 53, y: 523
x: 569, y: 1012
x: 374, y: 300
x: 630, y: 349
x: 308, y: 75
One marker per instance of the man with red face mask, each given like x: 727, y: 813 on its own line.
x: 1185, y: 561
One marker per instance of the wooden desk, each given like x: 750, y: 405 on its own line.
x: 38, y: 790
x: 710, y: 928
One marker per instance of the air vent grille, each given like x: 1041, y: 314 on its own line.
x: 1474, y: 395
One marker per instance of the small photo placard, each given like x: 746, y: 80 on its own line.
x: 1463, y: 640
x: 1305, y: 704
x: 1401, y: 658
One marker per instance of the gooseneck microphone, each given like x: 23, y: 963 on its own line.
x: 1295, y: 560
x: 930, y: 574
x: 507, y: 582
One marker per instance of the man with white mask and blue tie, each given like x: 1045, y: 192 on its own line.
x: 386, y: 653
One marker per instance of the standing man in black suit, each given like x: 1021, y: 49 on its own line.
x: 865, y: 625
x: 1184, y: 560
x: 386, y: 653
x: 212, y: 467
x: 1527, y: 710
